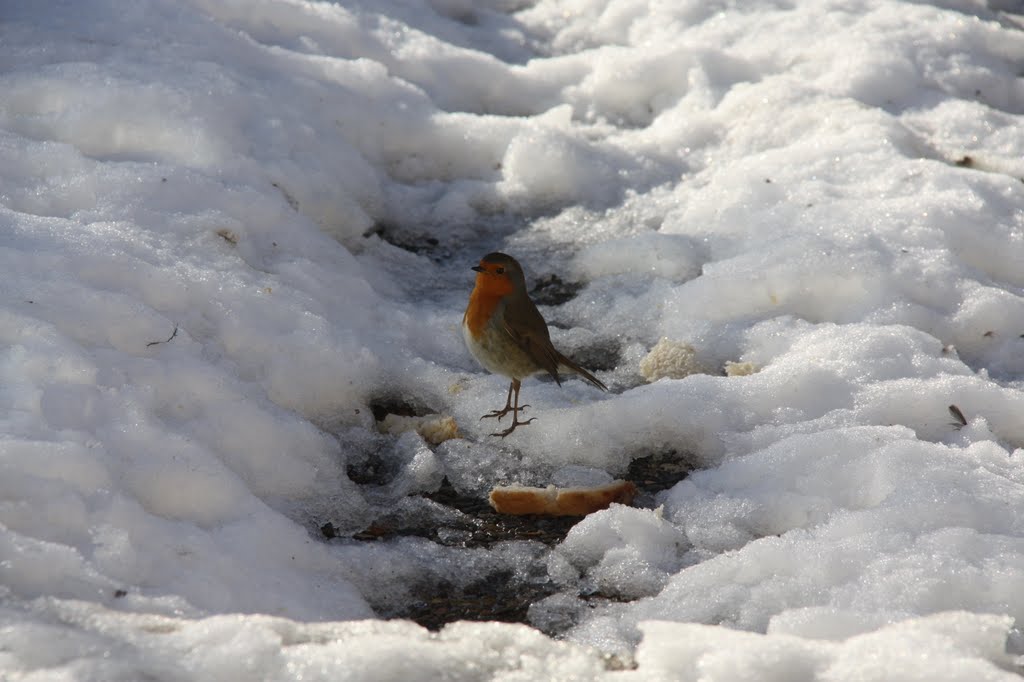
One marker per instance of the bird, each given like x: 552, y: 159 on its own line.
x: 507, y: 335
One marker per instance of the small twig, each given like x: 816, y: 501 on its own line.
x: 961, y: 420
x: 173, y: 334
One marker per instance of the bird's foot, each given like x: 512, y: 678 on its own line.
x: 515, y: 423
x: 502, y: 412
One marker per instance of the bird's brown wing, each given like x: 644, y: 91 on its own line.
x: 527, y: 328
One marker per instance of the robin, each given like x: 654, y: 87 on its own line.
x: 507, y: 335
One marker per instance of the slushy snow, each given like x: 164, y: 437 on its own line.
x: 228, y: 230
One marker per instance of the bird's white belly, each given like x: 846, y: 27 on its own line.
x: 499, y: 354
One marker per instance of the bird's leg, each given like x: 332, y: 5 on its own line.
x: 515, y: 412
x: 508, y: 403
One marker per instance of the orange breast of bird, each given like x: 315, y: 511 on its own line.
x: 484, y: 301
x: 484, y: 330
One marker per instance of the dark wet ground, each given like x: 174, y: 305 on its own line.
x: 502, y: 595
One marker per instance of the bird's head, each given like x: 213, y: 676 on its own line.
x: 499, y: 274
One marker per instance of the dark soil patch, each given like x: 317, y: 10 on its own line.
x: 385, y: 405
x: 412, y: 240
x: 601, y: 355
x: 553, y: 290
x: 659, y: 471
x: 500, y: 596
x: 480, y: 527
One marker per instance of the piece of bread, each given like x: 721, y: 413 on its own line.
x: 434, y: 428
x: 552, y: 501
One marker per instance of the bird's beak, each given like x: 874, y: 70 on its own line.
x: 477, y: 268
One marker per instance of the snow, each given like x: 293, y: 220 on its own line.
x: 951, y: 646
x: 229, y: 230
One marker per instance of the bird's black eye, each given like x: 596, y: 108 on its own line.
x: 500, y: 271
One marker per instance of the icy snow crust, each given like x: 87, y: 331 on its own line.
x: 202, y: 295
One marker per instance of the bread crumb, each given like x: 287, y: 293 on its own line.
x: 672, y: 359
x: 740, y: 369
x: 434, y: 428
x: 552, y: 501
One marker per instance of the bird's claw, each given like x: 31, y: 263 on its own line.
x: 501, y: 413
x: 512, y: 428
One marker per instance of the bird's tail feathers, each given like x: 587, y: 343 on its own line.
x: 567, y: 365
